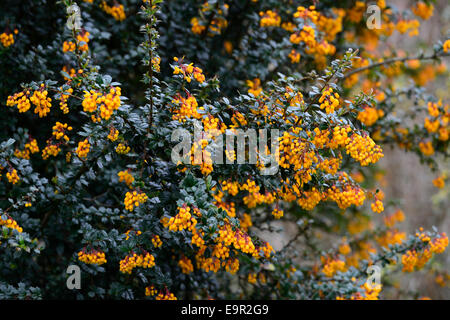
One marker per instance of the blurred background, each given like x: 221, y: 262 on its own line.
x: 409, y: 180
x: 406, y: 180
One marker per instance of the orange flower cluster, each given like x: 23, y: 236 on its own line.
x: 369, y: 115
x: 306, y: 35
x: 126, y: 177
x: 117, y: 10
x: 83, y: 40
x: 108, y: 102
x: 20, y: 100
x: 329, y: 100
x: 426, y: 148
x: 165, y: 296
x: 83, y: 148
x: 355, y: 14
x: 340, y: 137
x: 92, y: 257
x: 186, y: 265
x: 156, y: 61
x: 267, y: 250
x: 438, y: 245
x: 122, y: 148
x: 10, y: 223
x: 221, y: 249
x: 50, y: 150
x: 331, y: 266
x: 232, y: 265
x: 391, y: 237
x: 391, y: 220
x: 294, y: 56
x: 254, y: 86
x: 189, y: 71
x: 413, y: 259
x: 377, y: 206
x: 228, y: 207
x: 277, y: 213
x: 38, y: 98
x: 41, y: 101
x: 183, y: 220
x: 307, y: 13
x: 246, y: 222
x: 134, y: 199
x: 156, y: 241
x: 344, y: 248
x: 71, y: 73
x: 7, y: 38
x: 187, y: 108
x: 446, y: 46
x: 346, y: 195
x: 370, y: 293
x: 127, y: 264
x: 431, y: 126
x: 423, y: 10
x: 439, y: 182
x: 310, y: 199
x: 215, y: 25
x: 59, y: 131
x: 363, y: 149
x: 63, y: 99
x: 412, y: 26
x: 113, y: 134
x: 409, y: 260
x: 12, y: 176
x: 296, y: 153
x: 269, y: 19
x: 439, y: 122
x: 30, y: 148
x: 150, y: 291
x: 330, y: 165
x: 68, y: 46
x: 251, y: 278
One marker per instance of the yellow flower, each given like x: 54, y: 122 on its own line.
x: 6, y: 39
x: 269, y: 19
x: 294, y: 56
x: 83, y: 148
x: 423, y: 10
x: 446, y: 46
x: 12, y: 176
x: 439, y: 182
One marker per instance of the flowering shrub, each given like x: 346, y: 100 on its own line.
x: 86, y: 168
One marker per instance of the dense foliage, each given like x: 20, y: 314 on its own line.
x: 87, y: 176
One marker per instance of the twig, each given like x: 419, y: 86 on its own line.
x: 150, y: 120
x: 392, y: 60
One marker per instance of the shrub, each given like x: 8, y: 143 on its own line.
x: 93, y: 110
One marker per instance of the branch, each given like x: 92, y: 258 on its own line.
x: 210, y: 20
x: 150, y: 120
x: 392, y: 60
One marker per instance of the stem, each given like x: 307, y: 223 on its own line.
x: 392, y: 60
x: 208, y: 24
x: 150, y: 117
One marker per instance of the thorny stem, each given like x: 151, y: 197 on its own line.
x: 150, y: 116
x: 149, y: 27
